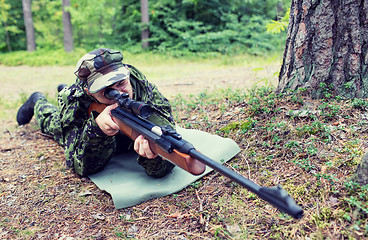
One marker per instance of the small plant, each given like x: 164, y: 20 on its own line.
x: 262, y: 101
x: 311, y: 150
x: 359, y: 103
x: 279, y: 26
x: 330, y: 178
x: 356, y: 208
x: 316, y: 128
x: 196, y: 184
x: 244, y: 126
x: 292, y: 144
x: 304, y: 164
x: 326, y: 91
x: 296, y: 98
x: 329, y: 110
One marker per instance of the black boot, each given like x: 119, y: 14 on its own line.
x: 61, y: 87
x: 26, y: 111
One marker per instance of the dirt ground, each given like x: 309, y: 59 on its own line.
x: 42, y: 199
x: 310, y: 147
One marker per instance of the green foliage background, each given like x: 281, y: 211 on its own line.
x: 178, y: 26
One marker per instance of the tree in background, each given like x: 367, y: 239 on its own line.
x: 145, y: 22
x: 28, y: 22
x: 229, y: 26
x: 182, y: 26
x: 94, y: 22
x: 327, y: 48
x: 67, y: 27
x: 48, y: 24
x: 5, y: 31
x: 12, y: 33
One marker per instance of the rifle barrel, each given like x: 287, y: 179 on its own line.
x: 276, y: 196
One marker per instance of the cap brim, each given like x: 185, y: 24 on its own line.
x: 108, y: 79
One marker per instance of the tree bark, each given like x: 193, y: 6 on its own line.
x: 145, y: 21
x: 28, y: 22
x: 326, y: 48
x: 67, y: 27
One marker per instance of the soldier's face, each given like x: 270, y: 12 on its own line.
x: 123, y: 86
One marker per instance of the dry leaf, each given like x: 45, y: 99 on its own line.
x: 85, y: 193
x: 98, y: 216
x: 178, y: 215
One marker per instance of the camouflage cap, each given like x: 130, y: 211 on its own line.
x: 101, y: 68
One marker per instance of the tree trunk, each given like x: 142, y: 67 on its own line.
x: 326, y: 48
x: 67, y: 27
x: 28, y: 22
x: 7, y: 38
x: 145, y: 22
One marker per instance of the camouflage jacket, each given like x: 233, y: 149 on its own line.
x: 87, y: 148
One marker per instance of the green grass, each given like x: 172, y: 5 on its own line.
x: 46, y: 57
x: 41, y: 57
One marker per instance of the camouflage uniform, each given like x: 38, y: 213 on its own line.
x: 87, y: 148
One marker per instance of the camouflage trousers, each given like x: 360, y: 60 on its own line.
x: 48, y: 119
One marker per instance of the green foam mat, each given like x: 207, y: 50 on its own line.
x: 125, y: 180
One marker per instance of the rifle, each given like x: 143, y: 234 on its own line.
x: 131, y: 116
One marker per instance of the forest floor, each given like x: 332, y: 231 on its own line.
x: 310, y: 147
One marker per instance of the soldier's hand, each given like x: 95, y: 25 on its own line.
x: 106, y: 123
x: 141, y: 146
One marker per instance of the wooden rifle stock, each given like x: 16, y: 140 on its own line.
x: 180, y: 159
x: 96, y: 107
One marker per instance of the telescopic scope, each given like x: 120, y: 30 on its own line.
x: 140, y: 108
